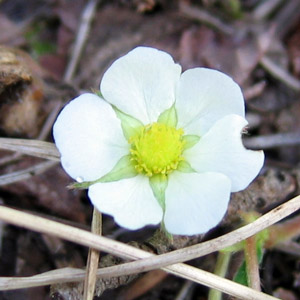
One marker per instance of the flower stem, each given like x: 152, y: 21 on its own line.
x: 93, y: 259
x: 220, y: 269
x: 252, y: 265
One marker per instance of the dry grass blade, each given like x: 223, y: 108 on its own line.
x: 10, y: 158
x: 273, y: 140
x: 148, y: 261
x: 93, y: 259
x: 181, y: 270
x: 204, y: 17
x: 27, y: 173
x: 47, y: 278
x: 213, y: 245
x: 84, y: 28
x: 31, y: 147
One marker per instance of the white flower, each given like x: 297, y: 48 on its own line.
x: 160, y: 146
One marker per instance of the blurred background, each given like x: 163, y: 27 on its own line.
x: 53, y: 50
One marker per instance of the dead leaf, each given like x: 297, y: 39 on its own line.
x: 21, y: 93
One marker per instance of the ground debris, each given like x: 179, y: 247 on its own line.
x: 204, y: 33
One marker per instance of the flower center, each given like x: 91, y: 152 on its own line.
x: 157, y: 149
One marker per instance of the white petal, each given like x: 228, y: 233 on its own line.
x: 89, y: 138
x: 129, y: 201
x: 195, y: 203
x: 221, y: 150
x: 203, y: 97
x: 142, y: 83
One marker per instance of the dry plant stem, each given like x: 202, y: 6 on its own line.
x: 221, y: 270
x: 26, y: 173
x: 102, y: 243
x: 272, y: 141
x: 282, y: 75
x: 82, y: 34
x: 204, y: 17
x: 252, y: 265
x: 151, y: 262
x: 31, y: 147
x: 93, y: 259
x: 10, y: 158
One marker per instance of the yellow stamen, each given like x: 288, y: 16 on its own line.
x: 157, y: 149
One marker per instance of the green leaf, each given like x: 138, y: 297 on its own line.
x: 185, y: 167
x: 130, y: 125
x: 37, y: 44
x: 158, y: 185
x: 169, y: 117
x: 80, y: 185
x: 241, y: 275
x: 190, y: 141
x: 123, y: 169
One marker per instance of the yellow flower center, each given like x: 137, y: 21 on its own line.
x: 157, y: 149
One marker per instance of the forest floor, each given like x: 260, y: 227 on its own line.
x: 256, y: 42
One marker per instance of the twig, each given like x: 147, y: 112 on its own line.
x: 82, y: 34
x: 27, y: 173
x: 31, y: 147
x: 150, y: 261
x: 252, y: 265
x: 272, y: 141
x: 204, y: 17
x: 282, y: 75
x: 93, y: 259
